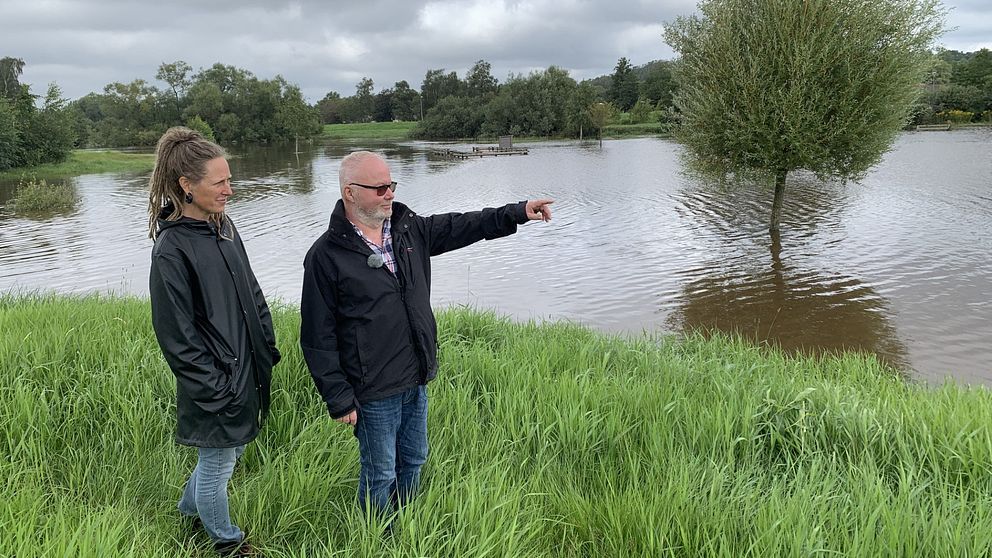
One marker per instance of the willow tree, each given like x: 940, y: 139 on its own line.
x: 767, y: 87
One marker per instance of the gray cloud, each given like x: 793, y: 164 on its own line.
x: 329, y: 45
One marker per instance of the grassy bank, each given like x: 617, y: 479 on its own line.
x: 370, y: 130
x: 546, y: 441
x: 87, y: 162
x: 635, y: 130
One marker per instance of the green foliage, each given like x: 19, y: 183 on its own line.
x: 955, y: 96
x: 330, y: 108
x: 658, y: 87
x: 641, y: 112
x: 363, y: 103
x: 31, y: 136
x: 453, y: 117
x: 974, y: 70
x: 623, y: 86
x: 294, y: 117
x: 956, y: 116
x: 578, y: 120
x: 10, y: 73
x: 382, y: 110
x: 10, y: 151
x: 438, y: 85
x: 38, y: 196
x: 406, y: 102
x: 546, y: 440
x: 200, y: 125
x: 523, y: 106
x: 235, y: 104
x: 177, y: 75
x: 769, y: 86
x: 479, y: 82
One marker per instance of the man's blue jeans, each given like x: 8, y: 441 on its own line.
x: 206, y: 493
x: 392, y: 445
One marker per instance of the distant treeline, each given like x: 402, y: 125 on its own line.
x: 958, y: 89
x: 543, y: 103
x: 226, y: 103
x: 234, y: 106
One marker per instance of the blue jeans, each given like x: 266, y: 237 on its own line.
x: 206, y: 493
x: 392, y: 445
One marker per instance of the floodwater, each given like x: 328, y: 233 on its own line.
x: 897, y: 264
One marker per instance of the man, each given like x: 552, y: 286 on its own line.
x: 368, y: 332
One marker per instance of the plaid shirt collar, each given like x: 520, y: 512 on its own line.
x: 387, y: 245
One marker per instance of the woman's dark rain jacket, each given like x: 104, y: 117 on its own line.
x: 215, y: 331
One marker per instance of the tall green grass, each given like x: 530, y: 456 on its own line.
x: 546, y: 440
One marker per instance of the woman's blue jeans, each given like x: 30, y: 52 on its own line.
x: 392, y: 445
x: 206, y: 493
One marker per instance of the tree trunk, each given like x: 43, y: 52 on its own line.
x: 580, y: 132
x: 779, y: 196
x: 297, y: 144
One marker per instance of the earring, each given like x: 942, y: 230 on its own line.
x: 188, y: 198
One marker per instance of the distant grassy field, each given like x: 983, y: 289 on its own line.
x: 629, y: 130
x: 87, y: 162
x: 370, y: 130
x: 546, y: 441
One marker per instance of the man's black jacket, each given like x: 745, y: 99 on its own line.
x: 361, y: 324
x: 215, y: 331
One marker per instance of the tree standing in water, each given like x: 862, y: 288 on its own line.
x: 767, y: 87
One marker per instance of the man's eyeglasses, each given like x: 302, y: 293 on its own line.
x: 379, y: 190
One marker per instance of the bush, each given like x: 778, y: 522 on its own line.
x: 956, y: 116
x: 38, y: 196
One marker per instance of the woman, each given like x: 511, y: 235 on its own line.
x: 211, y: 321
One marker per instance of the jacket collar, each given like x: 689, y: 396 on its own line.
x: 200, y: 227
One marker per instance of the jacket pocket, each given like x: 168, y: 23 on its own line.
x: 364, y: 355
x: 229, y: 367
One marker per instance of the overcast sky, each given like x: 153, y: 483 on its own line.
x: 325, y: 45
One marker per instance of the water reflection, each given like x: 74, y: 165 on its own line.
x: 799, y: 310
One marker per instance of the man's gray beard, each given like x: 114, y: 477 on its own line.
x: 372, y: 219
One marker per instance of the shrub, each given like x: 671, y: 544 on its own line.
x: 37, y: 196
x: 956, y: 116
x: 200, y: 125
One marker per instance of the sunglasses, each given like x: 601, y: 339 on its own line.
x: 379, y: 190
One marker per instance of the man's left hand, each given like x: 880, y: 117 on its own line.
x: 539, y: 210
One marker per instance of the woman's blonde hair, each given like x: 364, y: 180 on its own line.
x: 179, y: 152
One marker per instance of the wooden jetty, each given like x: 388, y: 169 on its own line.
x: 480, y: 152
x: 933, y: 127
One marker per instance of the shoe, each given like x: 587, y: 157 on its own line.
x: 237, y: 550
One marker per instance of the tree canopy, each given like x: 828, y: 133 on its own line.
x: 767, y: 87
x: 30, y: 135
